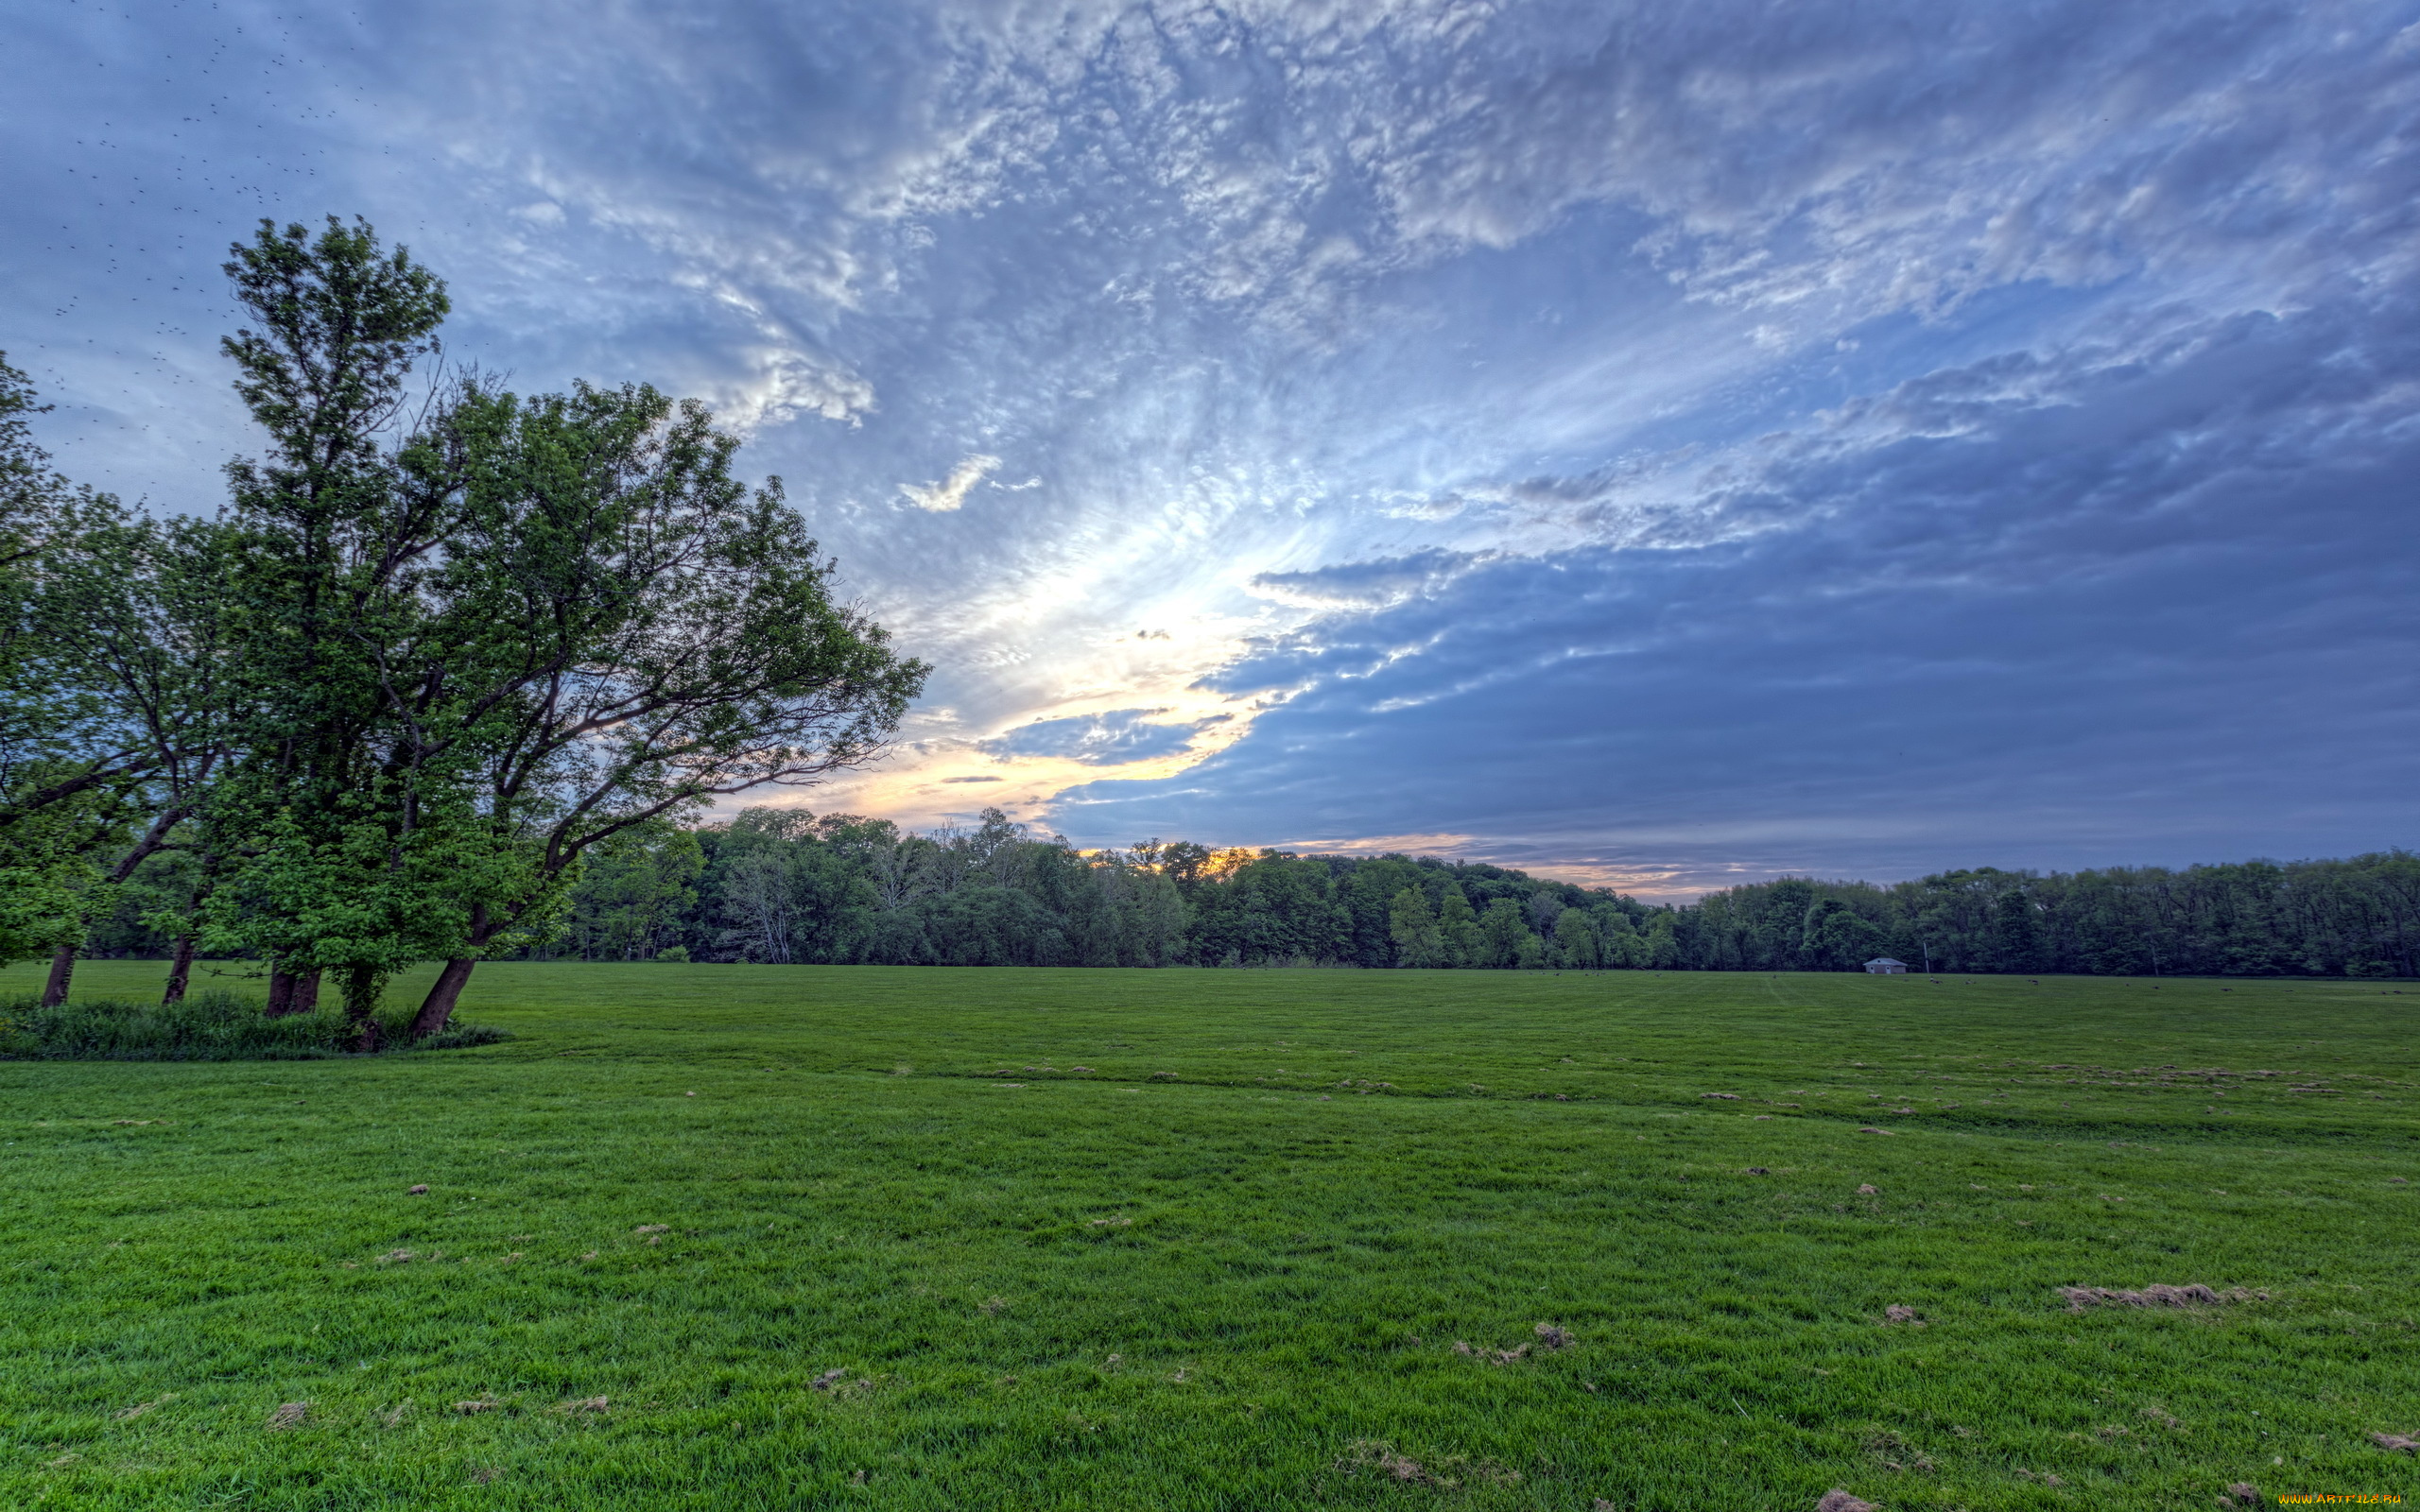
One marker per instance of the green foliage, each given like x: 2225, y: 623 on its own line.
x: 1504, y: 936
x: 783, y: 887
x: 350, y: 851
x: 635, y: 895
x: 362, y: 902
x: 633, y: 630
x: 43, y: 899
x: 2351, y: 917
x: 1274, y: 910
x: 1576, y: 944
x: 205, y: 1026
x: 75, y: 756
x: 1282, y: 1280
x: 1413, y: 929
x: 433, y: 655
x: 1459, y: 924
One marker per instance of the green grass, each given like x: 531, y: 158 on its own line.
x: 1223, y: 1268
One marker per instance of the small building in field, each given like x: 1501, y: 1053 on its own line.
x: 1887, y: 967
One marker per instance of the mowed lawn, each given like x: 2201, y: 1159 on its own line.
x: 736, y: 1237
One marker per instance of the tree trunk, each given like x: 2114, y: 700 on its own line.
x: 437, y: 1009
x: 361, y: 984
x: 180, y: 971
x: 306, y: 991
x: 280, y: 992
x: 63, y: 960
x: 180, y: 963
x: 62, y: 971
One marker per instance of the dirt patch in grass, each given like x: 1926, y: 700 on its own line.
x: 2193, y: 1295
x: 1480, y: 1351
x: 1389, y: 1464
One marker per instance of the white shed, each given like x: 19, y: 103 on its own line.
x: 1887, y: 967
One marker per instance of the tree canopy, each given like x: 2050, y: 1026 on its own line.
x: 443, y: 639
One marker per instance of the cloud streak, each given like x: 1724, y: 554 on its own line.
x: 950, y: 493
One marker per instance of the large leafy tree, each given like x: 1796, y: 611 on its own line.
x: 77, y: 757
x: 620, y: 631
x: 132, y: 612
x: 338, y: 842
x: 481, y: 637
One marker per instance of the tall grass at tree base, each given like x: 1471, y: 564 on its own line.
x: 205, y: 1026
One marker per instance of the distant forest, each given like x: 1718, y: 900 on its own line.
x: 783, y: 885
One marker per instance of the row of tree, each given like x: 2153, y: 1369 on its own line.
x: 441, y: 643
x: 781, y: 885
x: 2346, y: 918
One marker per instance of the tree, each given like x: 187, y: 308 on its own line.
x: 1838, y: 939
x: 339, y: 841
x: 1505, y: 935
x: 71, y: 762
x: 1663, y: 950
x: 1368, y: 891
x: 1412, y: 929
x: 505, y: 634
x: 1182, y: 862
x: 133, y: 612
x: 1576, y: 944
x: 2015, y: 940
x: 1545, y: 906
x: 1150, y: 915
x: 635, y: 893
x: 1458, y: 926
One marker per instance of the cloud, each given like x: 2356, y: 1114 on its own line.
x: 786, y: 385
x: 1366, y: 584
x: 1426, y: 844
x: 1109, y: 739
x: 950, y: 493
x: 2084, y: 608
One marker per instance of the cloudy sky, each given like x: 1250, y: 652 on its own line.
x: 1654, y: 444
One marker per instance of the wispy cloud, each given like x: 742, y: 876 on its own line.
x: 950, y: 493
x: 1112, y: 738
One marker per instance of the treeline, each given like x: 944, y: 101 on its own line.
x: 2351, y: 918
x: 777, y: 885
x: 442, y: 643
x: 783, y: 886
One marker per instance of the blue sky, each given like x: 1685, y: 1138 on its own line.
x: 1655, y: 445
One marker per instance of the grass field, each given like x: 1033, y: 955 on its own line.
x: 740, y: 1237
